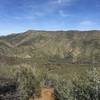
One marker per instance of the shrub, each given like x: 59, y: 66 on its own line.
x: 28, y: 79
x: 26, y: 82
x: 88, y: 87
x: 63, y: 88
x: 31, y: 79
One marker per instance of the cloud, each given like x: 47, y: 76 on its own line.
x: 45, y: 8
x: 39, y: 14
x: 87, y: 22
x: 23, y: 17
x: 63, y: 14
x: 61, y: 2
x: 30, y: 16
x: 86, y: 25
x: 56, y: 5
x: 64, y: 1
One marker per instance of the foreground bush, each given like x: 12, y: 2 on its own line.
x: 88, y: 87
x: 80, y: 88
x: 28, y: 79
x: 26, y: 82
x: 31, y: 79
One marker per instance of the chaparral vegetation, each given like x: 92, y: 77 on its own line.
x: 58, y: 65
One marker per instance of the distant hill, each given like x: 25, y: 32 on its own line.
x: 53, y: 46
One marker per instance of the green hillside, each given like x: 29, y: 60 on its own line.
x: 53, y: 46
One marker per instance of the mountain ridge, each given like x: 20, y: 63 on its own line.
x: 66, y: 46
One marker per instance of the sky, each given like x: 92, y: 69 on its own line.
x: 21, y: 15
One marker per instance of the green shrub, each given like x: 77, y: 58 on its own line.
x: 28, y: 79
x: 26, y: 82
x: 87, y: 87
x: 31, y: 79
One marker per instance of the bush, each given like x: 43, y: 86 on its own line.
x: 28, y: 79
x: 88, y: 87
x: 63, y: 88
x: 80, y: 88
x: 26, y: 82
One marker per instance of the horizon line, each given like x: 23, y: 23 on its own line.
x: 50, y: 30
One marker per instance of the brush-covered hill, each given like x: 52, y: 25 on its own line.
x: 53, y: 46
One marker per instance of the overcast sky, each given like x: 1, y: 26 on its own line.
x: 22, y: 15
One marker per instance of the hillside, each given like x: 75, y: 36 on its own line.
x: 33, y: 59
x: 53, y: 46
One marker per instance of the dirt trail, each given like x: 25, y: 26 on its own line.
x: 46, y: 94
x: 21, y: 42
x: 7, y: 43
